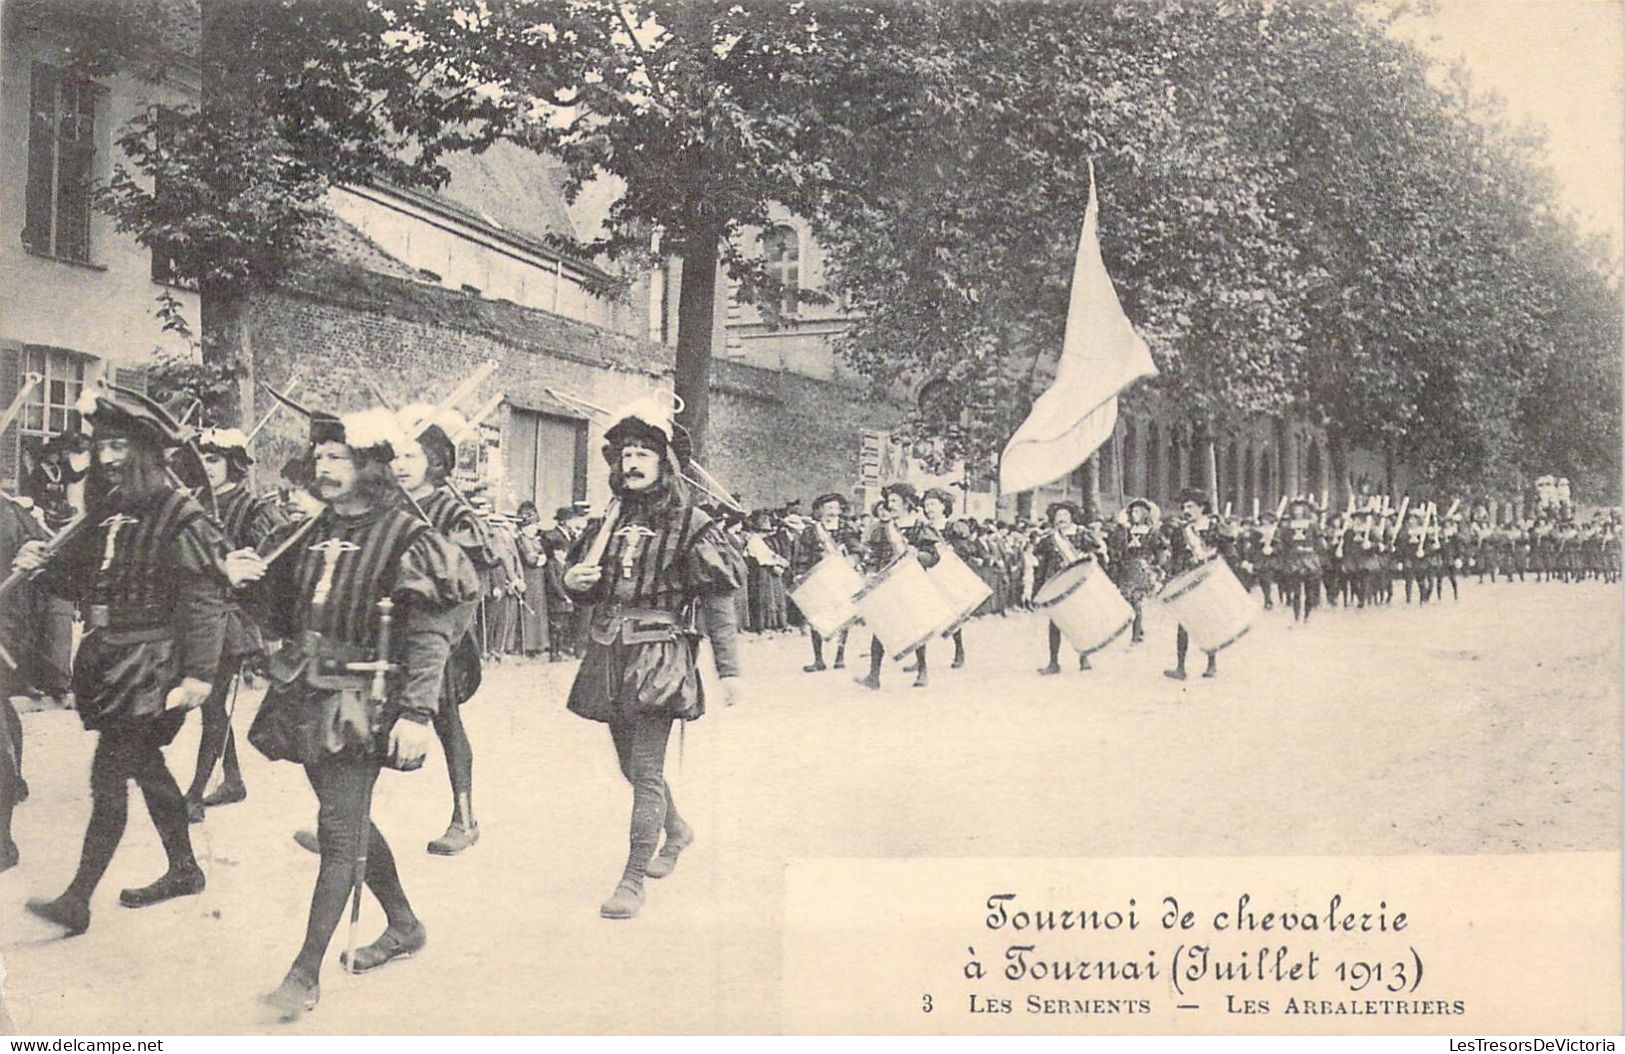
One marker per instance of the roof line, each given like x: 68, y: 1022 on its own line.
x: 462, y: 214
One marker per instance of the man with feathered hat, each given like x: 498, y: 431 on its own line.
x: 148, y: 572
x: 357, y: 684
x: 666, y: 575
x: 903, y: 531
x: 247, y: 521
x: 830, y: 534
x: 423, y: 467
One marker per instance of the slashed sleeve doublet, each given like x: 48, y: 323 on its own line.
x: 713, y: 569
x: 202, y: 596
x: 436, y: 589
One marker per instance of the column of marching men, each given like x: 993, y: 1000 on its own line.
x: 378, y: 582
x: 371, y: 592
x: 1093, y: 577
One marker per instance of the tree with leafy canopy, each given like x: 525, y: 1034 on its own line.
x: 1297, y: 216
x: 705, y: 114
x: 296, y: 97
x: 959, y: 268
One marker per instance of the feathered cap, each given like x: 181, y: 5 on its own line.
x: 229, y: 443
x: 649, y: 423
x: 112, y: 410
x: 435, y: 429
x: 372, y: 434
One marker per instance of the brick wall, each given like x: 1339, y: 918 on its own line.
x: 774, y: 436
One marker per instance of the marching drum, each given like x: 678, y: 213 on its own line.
x: 961, y: 588
x: 1211, y: 604
x: 825, y: 595
x: 1085, y: 605
x: 901, y: 606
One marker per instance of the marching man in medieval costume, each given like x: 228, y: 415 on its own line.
x: 901, y: 529
x: 1302, y: 557
x: 148, y: 570
x: 369, y: 600
x: 937, y: 507
x: 17, y: 526
x: 1190, y: 540
x: 248, y: 521
x: 423, y: 467
x: 1060, y: 548
x: 829, y: 514
x: 660, y: 573
x: 1138, y: 549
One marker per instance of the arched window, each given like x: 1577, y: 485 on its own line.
x: 781, y: 254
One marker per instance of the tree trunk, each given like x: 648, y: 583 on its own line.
x: 1286, y: 469
x: 1337, y: 449
x: 224, y: 344
x: 1210, y: 472
x: 219, y: 303
x: 696, y: 323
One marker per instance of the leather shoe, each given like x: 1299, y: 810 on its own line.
x: 813, y: 667
x: 295, y: 997
x: 307, y: 840
x: 665, y: 861
x: 391, y: 945
x: 455, y: 840
x: 226, y: 794
x: 624, y: 903
x: 176, y: 882
x: 67, y: 911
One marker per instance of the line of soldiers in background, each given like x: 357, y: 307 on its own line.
x: 1301, y: 555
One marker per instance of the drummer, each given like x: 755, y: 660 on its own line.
x: 900, y: 520
x: 1137, y: 547
x: 830, y: 512
x: 1191, y: 539
x: 1057, y: 549
x: 938, y: 507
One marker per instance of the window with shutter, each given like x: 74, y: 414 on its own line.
x: 50, y: 409
x: 61, y: 165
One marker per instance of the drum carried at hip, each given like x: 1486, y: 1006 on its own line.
x: 825, y: 596
x: 962, y: 590
x: 1211, y: 604
x: 1085, y: 606
x: 901, y: 606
